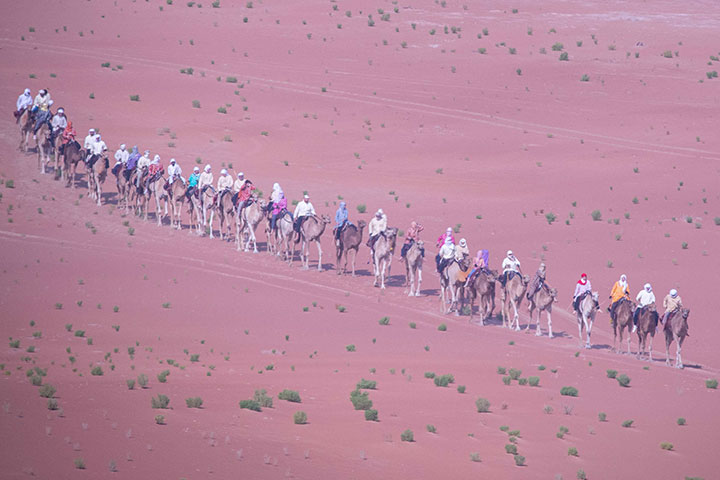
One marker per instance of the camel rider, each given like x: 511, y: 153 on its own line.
x: 142, y: 166
x: 672, y: 303
x: 24, y: 102
x: 225, y: 181
x: 619, y: 291
x: 174, y: 173
x: 462, y: 251
x: 193, y: 183
x: 445, y: 255
x: 411, y: 236
x: 41, y: 106
x: 510, y: 266
x: 377, y: 226
x: 303, y: 210
x: 274, y: 197
x: 480, y: 263
x: 441, y: 239
x: 645, y: 298
x: 87, y: 144
x: 155, y: 170
x: 58, y: 123
x: 68, y: 136
x: 582, y: 287
x: 279, y: 204
x: 237, y: 186
x: 245, y: 196
x: 206, y: 178
x: 132, y: 162
x: 537, y: 282
x: 121, y: 159
x: 98, y: 150
x: 341, y: 219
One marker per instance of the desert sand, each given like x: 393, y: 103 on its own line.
x: 460, y: 114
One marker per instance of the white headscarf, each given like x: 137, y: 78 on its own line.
x: 623, y: 280
x: 26, y: 92
x: 156, y: 160
x: 448, y: 240
x: 207, y: 167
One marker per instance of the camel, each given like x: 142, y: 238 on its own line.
x: 176, y: 195
x: 123, y: 187
x: 588, y: 306
x: 413, y: 268
x: 72, y: 156
x: 350, y: 239
x: 226, y: 212
x: 247, y: 220
x: 154, y: 190
x: 195, y: 212
x: 646, y: 324
x: 482, y: 286
x: 452, y: 279
x: 43, y: 146
x: 382, y: 254
x: 283, y: 235
x: 207, y: 204
x: 623, y: 320
x: 512, y: 294
x: 96, y: 177
x: 310, y: 231
x: 55, y: 144
x: 543, y: 300
x: 27, y: 123
x: 676, y: 328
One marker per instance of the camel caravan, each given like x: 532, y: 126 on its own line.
x: 467, y: 285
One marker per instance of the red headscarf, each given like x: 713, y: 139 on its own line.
x: 583, y: 279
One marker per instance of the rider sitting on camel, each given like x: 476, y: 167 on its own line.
x: 672, y: 302
x: 377, y: 226
x: 206, y: 178
x: 341, y: 219
x: 303, y: 210
x: 245, y: 196
x: 142, y: 166
x: 87, y: 144
x: 174, y: 173
x: 193, y: 183
x: 121, y: 158
x: 155, y: 170
x: 619, y: 291
x: 58, y: 123
x: 645, y: 298
x: 462, y: 251
x: 411, y: 236
x: 510, y: 266
x: 582, y: 287
x: 41, y: 106
x: 225, y: 181
x: 537, y: 282
x: 132, y: 162
x: 479, y: 264
x: 68, y: 136
x: 24, y: 102
x: 445, y: 255
x: 279, y: 204
x: 97, y: 150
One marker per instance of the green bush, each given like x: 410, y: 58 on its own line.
x: 602, y: 416
x: 290, y: 396
x: 97, y: 371
x: 142, y: 380
x: 366, y: 384
x: 162, y: 376
x: 666, y: 446
x: 534, y: 381
x: 429, y: 374
x: 611, y: 373
x: 384, y: 321
x: 442, y: 327
x: 572, y: 451
x: 581, y: 475
x: 461, y: 388
x: 681, y: 421
x: 194, y: 402
x: 569, y: 391
x: 300, y: 418
x: 361, y: 208
x: 511, y: 449
x: 501, y: 370
x: 507, y: 380
x: 162, y: 401
x: 262, y: 398
x: 596, y: 215
x: 515, y: 373
x: 519, y: 460
x: 431, y: 428
x: 371, y: 415
x: 350, y: 348
x: 134, y: 98
x: 444, y: 380
x: 522, y: 381
x: 407, y: 436
x: 623, y: 380
x: 52, y: 404
x: 711, y: 383
x: 360, y: 400
x: 627, y: 423
x: 483, y: 405
x: 47, y: 391
x: 251, y: 405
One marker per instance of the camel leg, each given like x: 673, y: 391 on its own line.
x: 580, y: 325
x: 319, y: 247
x: 678, y: 357
x: 588, y: 328
x: 516, y: 317
x: 212, y: 217
x: 354, y: 258
x: 652, y: 339
x: 419, y: 281
x: 237, y: 233
x: 549, y: 314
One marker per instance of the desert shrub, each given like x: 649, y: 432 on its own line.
x: 52, y: 404
x: 195, y: 357
x: 162, y: 376
x: 461, y: 388
x: 507, y: 380
x: 262, y: 398
x: 160, y: 419
x: 627, y: 423
x: 572, y: 451
x: 142, y: 380
x: 361, y: 208
x: 431, y: 428
x: 515, y: 373
x: 130, y: 383
x: 251, y: 405
x: 504, y: 428
x: 611, y: 373
x: 350, y: 348
x: 79, y: 463
x: 194, y: 402
x: 596, y: 215
x: 442, y: 327
x: 666, y: 446
x: 550, y: 217
x: 371, y: 415
x: 429, y: 374
x: 366, y: 384
x: 161, y: 401
x: 384, y: 321
x: 444, y: 380
x: 483, y: 405
x: 534, y: 381
x: 300, y: 418
x: 47, y: 391
x: 522, y: 381
x: 681, y: 421
x: 97, y: 371
x: 511, y: 449
x: 569, y: 391
x: 623, y: 380
x: 360, y: 400
x: 79, y: 333
x: 602, y: 416
x: 581, y: 475
x: 407, y: 436
x: 564, y: 57
x: 290, y: 396
x: 557, y: 47
x: 475, y: 457
x: 519, y: 460
x: 501, y: 370
x: 14, y: 343
x: 585, y: 78
x: 711, y: 383
x: 134, y: 98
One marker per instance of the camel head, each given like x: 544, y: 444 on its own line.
x: 596, y: 300
x: 685, y: 313
x: 494, y: 275
x: 391, y: 233
x: 525, y: 279
x: 262, y: 203
x: 420, y: 244
x: 361, y: 224
x: 553, y: 294
x: 325, y: 219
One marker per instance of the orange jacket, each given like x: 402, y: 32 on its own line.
x: 618, y: 292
